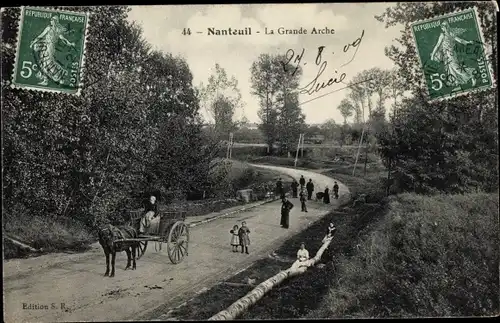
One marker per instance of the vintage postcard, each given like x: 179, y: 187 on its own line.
x: 250, y: 161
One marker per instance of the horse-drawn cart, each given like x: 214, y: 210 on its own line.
x: 171, y: 230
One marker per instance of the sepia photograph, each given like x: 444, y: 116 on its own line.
x: 265, y: 161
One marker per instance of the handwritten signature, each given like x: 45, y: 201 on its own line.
x: 315, y: 85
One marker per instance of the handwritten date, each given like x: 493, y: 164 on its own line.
x: 315, y: 85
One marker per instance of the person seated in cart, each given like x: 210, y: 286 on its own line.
x: 150, y: 221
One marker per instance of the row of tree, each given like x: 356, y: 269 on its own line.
x: 448, y: 146
x: 135, y: 128
x: 275, y: 86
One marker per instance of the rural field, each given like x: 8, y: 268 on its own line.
x: 250, y: 161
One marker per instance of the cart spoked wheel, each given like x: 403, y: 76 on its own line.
x: 142, y: 249
x: 177, y: 243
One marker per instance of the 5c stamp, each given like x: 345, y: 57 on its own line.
x: 451, y: 50
x: 50, y: 50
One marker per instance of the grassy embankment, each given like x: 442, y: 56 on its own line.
x: 403, y: 256
x: 427, y: 256
x: 52, y: 234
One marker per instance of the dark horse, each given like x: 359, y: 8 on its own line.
x: 107, y: 237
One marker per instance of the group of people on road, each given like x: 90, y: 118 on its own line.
x: 286, y: 205
x: 240, y: 235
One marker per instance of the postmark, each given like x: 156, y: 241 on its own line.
x: 50, y: 50
x: 451, y: 50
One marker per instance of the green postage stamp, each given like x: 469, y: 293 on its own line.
x: 50, y: 50
x: 451, y: 49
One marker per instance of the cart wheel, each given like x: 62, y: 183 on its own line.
x: 142, y: 249
x: 177, y: 243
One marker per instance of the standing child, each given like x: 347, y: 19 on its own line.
x: 235, y: 239
x: 303, y: 201
x: 244, y: 238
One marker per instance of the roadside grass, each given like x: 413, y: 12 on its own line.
x: 428, y: 256
x: 342, y: 158
x: 47, y: 234
x: 299, y: 295
x: 53, y: 234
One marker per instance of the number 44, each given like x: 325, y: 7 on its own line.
x: 186, y: 31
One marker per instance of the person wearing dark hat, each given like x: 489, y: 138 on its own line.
x: 310, y: 189
x: 302, y: 182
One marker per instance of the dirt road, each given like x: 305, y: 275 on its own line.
x: 71, y: 287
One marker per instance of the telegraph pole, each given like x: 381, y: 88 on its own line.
x: 301, y: 138
x: 229, y: 146
x: 359, y: 147
x: 360, y: 140
x: 231, y: 141
x: 302, y: 147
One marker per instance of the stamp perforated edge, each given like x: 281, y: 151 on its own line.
x: 481, y: 35
x: 18, y: 44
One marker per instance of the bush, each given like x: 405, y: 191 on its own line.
x: 46, y: 233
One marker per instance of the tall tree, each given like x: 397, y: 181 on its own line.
x: 224, y: 90
x: 275, y: 83
x: 223, y: 111
x: 396, y: 88
x: 291, y: 120
x: 265, y: 86
x: 346, y: 109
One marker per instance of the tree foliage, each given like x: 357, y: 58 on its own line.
x: 346, y: 109
x: 275, y: 82
x: 221, y: 97
x: 451, y: 145
x: 135, y: 127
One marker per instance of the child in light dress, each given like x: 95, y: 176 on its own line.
x: 235, y: 239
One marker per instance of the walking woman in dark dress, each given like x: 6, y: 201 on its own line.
x: 326, y: 197
x: 336, y: 190
x: 310, y: 189
x: 279, y: 189
x: 295, y: 186
x: 286, y: 206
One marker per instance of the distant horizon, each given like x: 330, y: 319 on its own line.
x: 163, y: 27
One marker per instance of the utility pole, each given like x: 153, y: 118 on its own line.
x: 302, y: 147
x: 301, y: 136
x: 366, y: 159
x: 229, y: 146
x: 359, y: 147
x: 361, y: 139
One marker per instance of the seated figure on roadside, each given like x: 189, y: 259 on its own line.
x: 150, y: 221
x: 302, y: 258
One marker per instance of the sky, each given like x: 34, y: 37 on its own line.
x: 163, y: 28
